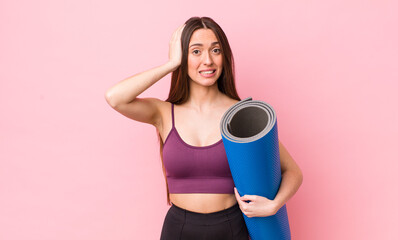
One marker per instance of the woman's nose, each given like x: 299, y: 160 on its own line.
x: 207, y: 58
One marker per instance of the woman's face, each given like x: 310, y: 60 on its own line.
x: 204, y: 57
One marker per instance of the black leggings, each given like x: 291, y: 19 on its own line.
x: 181, y: 224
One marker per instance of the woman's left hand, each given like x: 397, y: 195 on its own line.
x: 257, y: 207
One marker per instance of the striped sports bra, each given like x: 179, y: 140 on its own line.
x: 193, y: 169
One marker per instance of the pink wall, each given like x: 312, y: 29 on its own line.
x: 73, y: 168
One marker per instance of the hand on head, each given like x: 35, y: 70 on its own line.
x: 175, y: 49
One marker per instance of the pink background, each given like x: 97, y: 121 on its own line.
x: 73, y: 168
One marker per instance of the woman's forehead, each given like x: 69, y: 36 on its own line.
x: 203, y: 36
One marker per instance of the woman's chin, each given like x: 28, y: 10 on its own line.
x: 205, y: 82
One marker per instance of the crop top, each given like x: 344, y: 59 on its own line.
x: 194, y: 169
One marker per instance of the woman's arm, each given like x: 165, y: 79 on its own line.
x: 292, y: 177
x: 128, y: 89
x: 123, y: 96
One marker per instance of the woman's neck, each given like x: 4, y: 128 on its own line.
x: 202, y: 96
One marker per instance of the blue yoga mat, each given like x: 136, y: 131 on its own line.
x: 250, y: 136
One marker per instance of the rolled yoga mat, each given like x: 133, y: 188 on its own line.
x: 250, y: 136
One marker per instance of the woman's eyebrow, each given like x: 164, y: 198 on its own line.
x: 199, y: 44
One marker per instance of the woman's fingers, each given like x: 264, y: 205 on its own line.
x: 239, y: 198
x: 244, y: 206
x: 177, y: 32
x: 237, y: 194
x: 249, y: 198
x: 175, y: 51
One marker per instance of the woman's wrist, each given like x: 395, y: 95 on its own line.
x: 173, y: 66
x: 277, y: 204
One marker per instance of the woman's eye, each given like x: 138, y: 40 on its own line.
x: 217, y: 50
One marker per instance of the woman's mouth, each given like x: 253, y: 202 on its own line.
x: 209, y: 73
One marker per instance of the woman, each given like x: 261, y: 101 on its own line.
x: 205, y: 204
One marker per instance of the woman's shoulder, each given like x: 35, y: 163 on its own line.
x: 161, y: 105
x: 226, y: 103
x: 164, y: 107
x: 230, y: 101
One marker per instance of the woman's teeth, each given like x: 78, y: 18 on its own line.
x: 208, y: 72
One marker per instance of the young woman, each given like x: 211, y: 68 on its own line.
x: 199, y: 184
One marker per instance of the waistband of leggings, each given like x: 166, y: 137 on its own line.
x: 207, y: 218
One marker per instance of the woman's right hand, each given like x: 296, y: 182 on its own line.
x: 175, y: 49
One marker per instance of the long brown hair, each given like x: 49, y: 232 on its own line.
x: 179, y: 89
